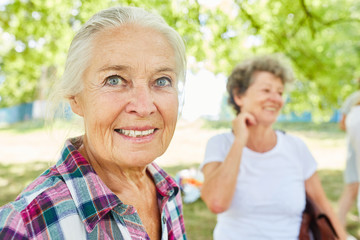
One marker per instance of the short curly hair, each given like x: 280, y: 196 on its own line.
x: 242, y: 75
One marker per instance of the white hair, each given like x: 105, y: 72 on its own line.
x: 79, y: 53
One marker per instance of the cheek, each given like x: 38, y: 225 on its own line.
x: 103, y: 109
x: 173, y: 107
x: 169, y: 109
x: 282, y: 102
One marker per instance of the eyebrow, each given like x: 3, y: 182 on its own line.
x: 165, y: 69
x: 113, y: 67
x: 124, y: 67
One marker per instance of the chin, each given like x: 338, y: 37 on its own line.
x: 140, y: 159
x: 268, y: 122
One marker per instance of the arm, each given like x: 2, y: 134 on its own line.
x: 316, y: 193
x: 342, y: 122
x: 12, y: 226
x: 221, y: 177
x: 220, y: 180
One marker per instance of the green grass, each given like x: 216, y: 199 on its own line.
x: 15, y: 177
x: 199, y: 221
x: 332, y: 181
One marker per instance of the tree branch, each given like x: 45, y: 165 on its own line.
x: 255, y: 24
x: 329, y: 23
x: 340, y: 20
x: 309, y: 16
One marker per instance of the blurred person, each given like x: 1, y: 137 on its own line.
x: 353, y: 131
x: 352, y: 168
x: 256, y: 177
x: 121, y: 77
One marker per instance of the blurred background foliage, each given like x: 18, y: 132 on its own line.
x: 319, y: 37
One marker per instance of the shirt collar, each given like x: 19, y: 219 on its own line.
x: 165, y: 184
x: 92, y: 197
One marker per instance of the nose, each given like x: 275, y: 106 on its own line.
x: 141, y: 102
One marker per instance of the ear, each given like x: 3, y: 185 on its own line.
x: 238, y: 98
x: 75, y: 105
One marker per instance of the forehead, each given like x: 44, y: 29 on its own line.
x: 266, y: 78
x: 130, y: 44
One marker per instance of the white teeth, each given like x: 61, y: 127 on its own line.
x: 136, y: 133
x: 270, y: 109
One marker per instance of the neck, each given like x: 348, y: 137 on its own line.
x: 119, y: 179
x: 133, y: 186
x: 261, y: 139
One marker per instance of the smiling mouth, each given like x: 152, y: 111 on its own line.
x: 272, y: 109
x: 136, y: 133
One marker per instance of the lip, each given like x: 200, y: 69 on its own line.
x: 137, y: 134
x: 271, y: 109
x: 137, y: 128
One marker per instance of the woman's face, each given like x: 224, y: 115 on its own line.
x: 130, y: 102
x: 263, y: 98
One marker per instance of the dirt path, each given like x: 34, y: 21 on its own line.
x: 187, y: 146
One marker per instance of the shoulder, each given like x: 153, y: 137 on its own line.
x: 295, y: 146
x: 297, y: 150
x: 40, y: 204
x: 350, y: 101
x: 353, y: 96
x: 11, y: 223
x: 224, y: 138
x: 289, y: 140
x: 353, y: 118
x: 356, y: 94
x: 217, y: 147
x: 48, y: 182
x: 220, y: 143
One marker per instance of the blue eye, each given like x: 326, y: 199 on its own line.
x: 163, y: 82
x: 113, y: 80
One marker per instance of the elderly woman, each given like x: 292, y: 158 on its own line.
x: 121, y: 77
x: 256, y: 177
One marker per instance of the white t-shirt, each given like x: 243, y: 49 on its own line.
x: 353, y: 132
x: 270, y: 192
x: 350, y: 102
x: 353, y: 118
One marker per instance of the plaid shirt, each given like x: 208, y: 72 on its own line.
x: 69, y: 201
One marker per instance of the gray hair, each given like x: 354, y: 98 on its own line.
x: 79, y: 52
x: 242, y: 75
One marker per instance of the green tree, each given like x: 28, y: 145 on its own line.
x: 35, y: 36
x: 320, y: 38
x: 37, y: 31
